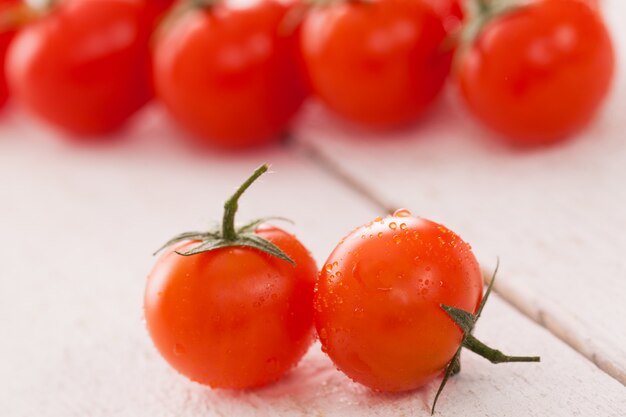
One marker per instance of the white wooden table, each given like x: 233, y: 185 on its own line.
x: 79, y: 224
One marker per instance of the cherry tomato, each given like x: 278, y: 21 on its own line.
x: 378, y: 301
x: 230, y: 75
x: 84, y: 68
x: 450, y: 11
x: 539, y: 73
x: 234, y: 316
x: 6, y: 35
x: 379, y: 63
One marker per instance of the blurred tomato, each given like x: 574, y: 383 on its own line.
x: 539, y: 73
x: 229, y: 74
x: 84, y: 67
x: 379, y: 63
x: 7, y: 33
x: 450, y: 11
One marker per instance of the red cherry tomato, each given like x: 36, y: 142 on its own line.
x: 378, y: 63
x: 233, y: 317
x: 84, y: 68
x: 378, y: 301
x: 229, y: 74
x: 539, y: 74
x: 450, y: 11
x: 237, y: 314
x: 6, y: 35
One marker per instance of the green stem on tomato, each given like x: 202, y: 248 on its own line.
x: 229, y: 233
x: 494, y: 355
x: 466, y: 322
x: 484, y: 6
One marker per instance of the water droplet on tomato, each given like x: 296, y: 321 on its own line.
x: 272, y: 365
x: 380, y: 234
x: 403, y: 226
x: 402, y: 213
x: 323, y: 334
x: 393, y: 225
x: 329, y: 267
x: 179, y: 349
x: 397, y: 239
x: 378, y: 219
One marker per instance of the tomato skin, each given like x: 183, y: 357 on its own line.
x: 5, y: 39
x: 379, y: 64
x: 377, y: 301
x: 228, y: 75
x: 83, y: 68
x: 233, y: 317
x: 450, y: 11
x: 540, y: 73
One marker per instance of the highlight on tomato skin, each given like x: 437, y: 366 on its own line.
x: 84, y: 66
x: 378, y: 301
x: 379, y: 64
x: 540, y: 73
x: 230, y: 75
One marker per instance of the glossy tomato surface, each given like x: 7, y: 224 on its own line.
x: 539, y: 74
x: 83, y: 68
x: 233, y: 317
x: 380, y: 63
x: 6, y: 35
x: 377, y: 302
x: 230, y: 75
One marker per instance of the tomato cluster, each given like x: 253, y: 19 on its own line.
x: 235, y: 73
x: 393, y: 305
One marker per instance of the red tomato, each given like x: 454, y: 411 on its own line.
x: 233, y: 317
x: 237, y: 314
x: 229, y: 75
x: 377, y: 301
x: 450, y: 11
x: 6, y: 35
x: 84, y: 68
x: 378, y: 63
x: 539, y: 74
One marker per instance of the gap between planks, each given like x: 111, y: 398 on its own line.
x: 543, y: 317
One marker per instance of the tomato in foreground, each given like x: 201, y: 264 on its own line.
x: 378, y: 299
x: 84, y: 67
x: 236, y: 311
x: 378, y: 63
x: 230, y: 74
x: 538, y: 74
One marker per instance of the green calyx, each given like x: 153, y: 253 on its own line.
x: 229, y: 235
x: 466, y: 322
x: 478, y: 13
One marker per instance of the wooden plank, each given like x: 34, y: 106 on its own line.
x: 555, y: 216
x: 79, y: 224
